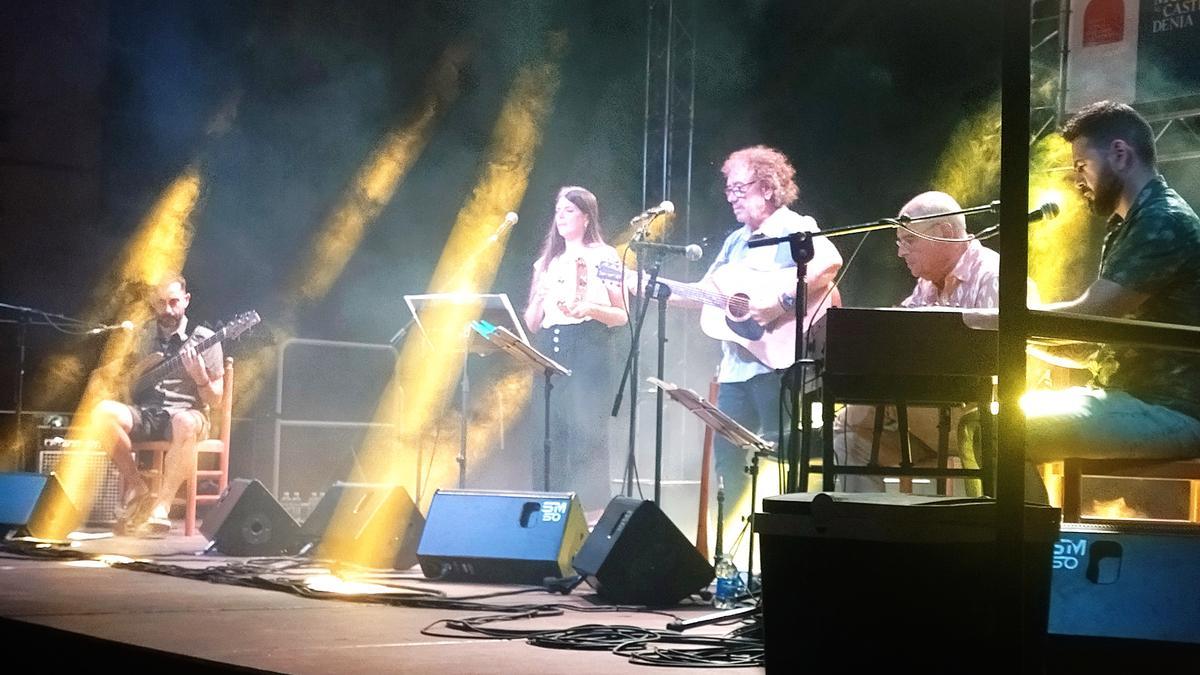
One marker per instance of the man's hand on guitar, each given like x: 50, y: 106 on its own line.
x: 193, y: 363
x: 764, y: 310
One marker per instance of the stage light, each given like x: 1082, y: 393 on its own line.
x: 1044, y: 403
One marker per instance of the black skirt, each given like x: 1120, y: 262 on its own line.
x: 579, y: 411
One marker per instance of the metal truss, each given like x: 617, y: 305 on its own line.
x: 670, y: 105
x: 1176, y: 123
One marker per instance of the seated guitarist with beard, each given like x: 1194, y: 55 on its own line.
x: 759, y: 186
x: 175, y: 409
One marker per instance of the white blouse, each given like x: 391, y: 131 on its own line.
x: 572, y: 276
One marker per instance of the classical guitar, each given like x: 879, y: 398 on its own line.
x: 156, y: 367
x: 725, y: 314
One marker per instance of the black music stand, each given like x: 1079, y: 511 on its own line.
x: 733, y: 432
x: 521, y: 351
x: 444, y: 320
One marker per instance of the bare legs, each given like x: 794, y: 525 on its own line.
x: 180, y: 461
x: 115, y: 421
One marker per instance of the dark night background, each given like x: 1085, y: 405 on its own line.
x: 104, y: 103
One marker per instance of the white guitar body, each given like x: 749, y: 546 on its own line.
x: 773, y: 344
x: 725, y: 313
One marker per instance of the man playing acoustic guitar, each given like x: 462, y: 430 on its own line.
x: 759, y: 186
x: 173, y: 408
x: 747, y: 299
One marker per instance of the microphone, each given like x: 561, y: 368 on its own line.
x: 1047, y: 211
x: 653, y: 212
x: 124, y: 325
x: 691, y: 251
x: 510, y: 219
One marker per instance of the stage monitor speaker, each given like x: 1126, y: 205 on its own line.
x: 35, y: 504
x: 247, y: 521
x: 370, y: 524
x: 501, y: 537
x: 1121, y: 582
x: 636, y: 556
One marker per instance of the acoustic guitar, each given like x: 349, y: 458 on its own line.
x: 725, y: 314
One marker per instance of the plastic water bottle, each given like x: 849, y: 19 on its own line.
x: 727, y: 584
x: 311, y: 504
x: 290, y: 502
x: 727, y: 574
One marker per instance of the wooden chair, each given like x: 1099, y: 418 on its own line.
x: 1073, y: 471
x: 210, y: 449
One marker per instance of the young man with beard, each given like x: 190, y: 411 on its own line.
x: 175, y: 409
x: 1142, y: 402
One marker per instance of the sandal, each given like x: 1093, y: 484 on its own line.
x: 134, y: 513
x: 153, y: 528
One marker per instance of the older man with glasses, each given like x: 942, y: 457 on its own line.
x: 951, y: 271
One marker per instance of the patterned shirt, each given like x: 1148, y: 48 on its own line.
x: 1155, y: 250
x: 178, y: 391
x: 974, y: 282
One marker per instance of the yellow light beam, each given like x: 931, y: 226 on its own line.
x: 157, y: 250
x: 468, y: 265
x: 969, y: 169
x: 371, y: 189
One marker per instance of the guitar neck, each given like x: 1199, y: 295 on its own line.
x: 692, y: 292
x: 170, y: 365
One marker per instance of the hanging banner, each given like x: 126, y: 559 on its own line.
x: 1168, y: 50
x: 1133, y: 51
x: 1102, y: 51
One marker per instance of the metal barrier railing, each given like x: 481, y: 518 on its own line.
x: 281, y: 422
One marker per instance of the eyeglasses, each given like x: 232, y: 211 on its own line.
x: 738, y: 190
x: 906, y: 240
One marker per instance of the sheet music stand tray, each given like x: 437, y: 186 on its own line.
x: 733, y: 432
x: 720, y: 423
x: 457, y: 311
x: 506, y: 341
x: 444, y: 320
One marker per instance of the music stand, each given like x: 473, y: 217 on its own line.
x: 444, y: 320
x: 522, y: 352
x: 733, y: 432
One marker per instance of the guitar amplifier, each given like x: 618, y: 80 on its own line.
x: 101, y: 478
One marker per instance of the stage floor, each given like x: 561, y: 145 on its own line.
x: 152, y: 617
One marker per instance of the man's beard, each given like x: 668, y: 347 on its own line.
x: 168, y: 323
x: 1103, y: 199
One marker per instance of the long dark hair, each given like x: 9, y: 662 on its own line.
x: 554, y: 244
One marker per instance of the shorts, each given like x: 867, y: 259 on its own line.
x: 152, y: 423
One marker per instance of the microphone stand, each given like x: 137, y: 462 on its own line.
x: 660, y: 292
x: 799, y: 438
x: 25, y: 320
x: 631, y: 369
x: 464, y: 394
x: 657, y: 291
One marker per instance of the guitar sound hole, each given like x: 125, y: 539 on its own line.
x: 738, y: 308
